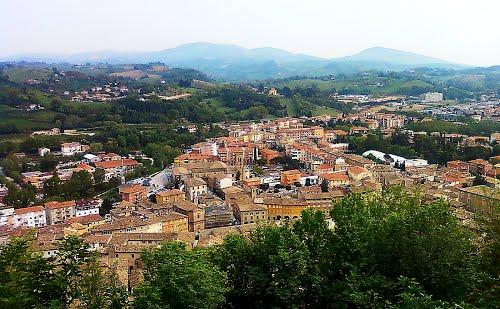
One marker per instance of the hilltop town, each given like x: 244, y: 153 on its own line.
x: 259, y: 172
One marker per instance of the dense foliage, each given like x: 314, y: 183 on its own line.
x: 70, y: 279
x: 387, y: 250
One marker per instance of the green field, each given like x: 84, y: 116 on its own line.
x: 20, y: 74
x: 26, y: 120
x: 371, y: 84
x: 323, y: 110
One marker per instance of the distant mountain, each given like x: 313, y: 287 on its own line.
x: 234, y: 63
x: 393, y: 56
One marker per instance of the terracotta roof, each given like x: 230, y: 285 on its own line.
x: 479, y: 161
x: 83, y: 166
x: 335, y: 176
x: 85, y: 219
x: 170, y: 193
x: 131, y: 188
x: 356, y: 169
x: 21, y: 211
x: 194, y: 182
x: 116, y: 163
x: 339, y: 132
x: 57, y: 205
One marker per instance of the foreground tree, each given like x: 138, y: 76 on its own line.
x: 395, y: 235
x: 175, y: 277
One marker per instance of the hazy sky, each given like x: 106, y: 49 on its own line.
x: 464, y: 31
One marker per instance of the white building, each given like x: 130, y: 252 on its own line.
x: 91, y: 158
x: 30, y: 216
x: 6, y: 215
x: 85, y: 208
x: 70, y: 149
x: 223, y: 181
x: 195, y: 187
x: 43, y: 151
x: 393, y: 159
x: 432, y: 97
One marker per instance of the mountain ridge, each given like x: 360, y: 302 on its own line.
x: 232, y: 62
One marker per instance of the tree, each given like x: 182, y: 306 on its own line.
x: 27, y: 280
x: 394, y: 234
x: 72, y: 254
x: 266, y: 270
x: 79, y: 186
x: 324, y: 186
x: 22, y: 197
x: 53, y: 186
x: 98, y: 288
x: 178, y: 278
x: 48, y: 162
x: 99, y: 175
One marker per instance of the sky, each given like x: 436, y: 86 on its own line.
x: 460, y: 31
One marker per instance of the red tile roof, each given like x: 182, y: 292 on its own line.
x: 57, y: 205
x: 21, y: 211
x: 116, y: 163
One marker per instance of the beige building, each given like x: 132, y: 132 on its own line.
x: 170, y: 196
x: 59, y: 212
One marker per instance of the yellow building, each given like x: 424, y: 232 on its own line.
x: 170, y: 196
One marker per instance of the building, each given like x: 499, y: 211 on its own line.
x: 137, y: 224
x: 170, y: 196
x: 431, y: 97
x: 246, y: 211
x: 218, y: 216
x: 133, y: 193
x: 117, y: 168
x: 6, y: 216
x: 482, y: 200
x: 88, y: 222
x: 43, y: 151
x: 195, y: 187
x: 336, y: 179
x: 480, y: 166
x: 87, y: 207
x: 223, y: 181
x: 70, y: 149
x: 33, y: 216
x: 357, y: 160
x: 290, y: 177
x: 37, y: 179
x: 269, y: 154
x: 3, y: 192
x: 59, y: 212
x: 195, y: 214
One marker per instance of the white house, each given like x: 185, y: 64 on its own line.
x: 30, y: 216
x: 195, y: 187
x: 223, y: 181
x: 70, y: 149
x: 6, y: 215
x: 43, y: 151
x: 85, y: 208
x: 91, y: 158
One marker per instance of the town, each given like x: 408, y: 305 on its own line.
x: 249, y: 154
x: 264, y: 172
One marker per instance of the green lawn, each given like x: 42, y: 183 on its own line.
x: 323, y: 110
